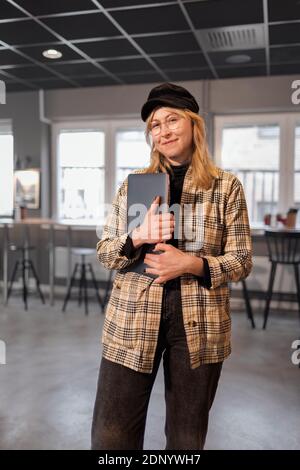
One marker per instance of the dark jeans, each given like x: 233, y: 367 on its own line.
x: 123, y: 394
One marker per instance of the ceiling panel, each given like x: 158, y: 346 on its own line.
x: 108, y: 48
x: 217, y: 13
x: 51, y: 84
x: 189, y: 74
x: 90, y: 25
x: 76, y: 69
x: 231, y: 72
x: 24, y: 32
x: 8, y: 57
x: 8, y: 11
x: 16, y: 87
x: 125, y: 3
x: 288, y: 33
x: 168, y: 43
x: 283, y: 10
x: 157, y: 19
x: 181, y: 61
x: 283, y: 54
x: 141, y: 78
x: 96, y: 81
x: 46, y: 7
x: 30, y: 72
x: 127, y: 65
x: 286, y: 69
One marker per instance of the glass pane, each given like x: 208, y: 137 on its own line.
x: 133, y: 152
x: 297, y: 173
x: 81, y: 148
x: 81, y: 175
x: 252, y: 154
x: 6, y: 174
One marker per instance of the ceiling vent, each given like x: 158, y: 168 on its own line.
x: 232, y: 38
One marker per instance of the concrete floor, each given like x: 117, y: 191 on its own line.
x: 47, y: 387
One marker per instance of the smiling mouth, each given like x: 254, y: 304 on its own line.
x: 170, y: 142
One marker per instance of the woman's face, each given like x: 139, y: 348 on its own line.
x: 172, y: 135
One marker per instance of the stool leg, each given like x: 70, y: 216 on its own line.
x: 68, y: 294
x: 12, y: 279
x: 37, y: 281
x: 80, y: 289
x: 269, y: 293
x: 25, y: 292
x: 296, y: 269
x: 85, y: 296
x: 248, y: 305
x: 96, y: 287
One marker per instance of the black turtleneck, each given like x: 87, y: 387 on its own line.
x: 176, y: 185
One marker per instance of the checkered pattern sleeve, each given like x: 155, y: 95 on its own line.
x: 235, y: 262
x: 114, y: 236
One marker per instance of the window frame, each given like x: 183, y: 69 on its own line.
x: 287, y: 123
x: 6, y: 128
x: 110, y: 129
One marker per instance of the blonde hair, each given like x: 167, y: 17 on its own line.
x: 203, y: 168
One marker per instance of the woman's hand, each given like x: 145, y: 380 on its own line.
x: 172, y: 263
x: 155, y: 227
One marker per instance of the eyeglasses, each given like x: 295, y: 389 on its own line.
x: 172, y: 123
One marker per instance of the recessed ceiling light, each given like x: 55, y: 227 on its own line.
x: 52, y: 54
x: 238, y: 59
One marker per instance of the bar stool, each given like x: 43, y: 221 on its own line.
x: 25, y: 265
x: 283, y: 248
x: 83, y: 268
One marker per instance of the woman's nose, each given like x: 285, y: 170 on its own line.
x: 164, y: 130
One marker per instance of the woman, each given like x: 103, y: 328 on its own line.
x: 183, y: 314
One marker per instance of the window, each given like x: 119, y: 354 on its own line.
x: 92, y: 159
x: 7, y: 170
x: 259, y: 150
x: 80, y: 174
x: 252, y: 153
x: 297, y: 172
x: 132, y: 152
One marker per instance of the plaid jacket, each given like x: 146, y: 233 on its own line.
x: 133, y: 312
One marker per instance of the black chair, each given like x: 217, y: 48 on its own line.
x: 26, y: 266
x: 283, y: 248
x: 83, y: 268
x: 247, y: 302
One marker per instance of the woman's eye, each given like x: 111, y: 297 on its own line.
x: 173, y: 120
x: 154, y: 126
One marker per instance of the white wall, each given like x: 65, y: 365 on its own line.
x: 260, y: 94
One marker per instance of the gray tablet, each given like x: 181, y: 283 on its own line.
x: 142, y: 189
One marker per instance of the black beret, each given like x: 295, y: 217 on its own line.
x: 171, y: 96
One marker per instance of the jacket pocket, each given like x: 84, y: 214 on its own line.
x: 218, y: 326
x: 125, y: 312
